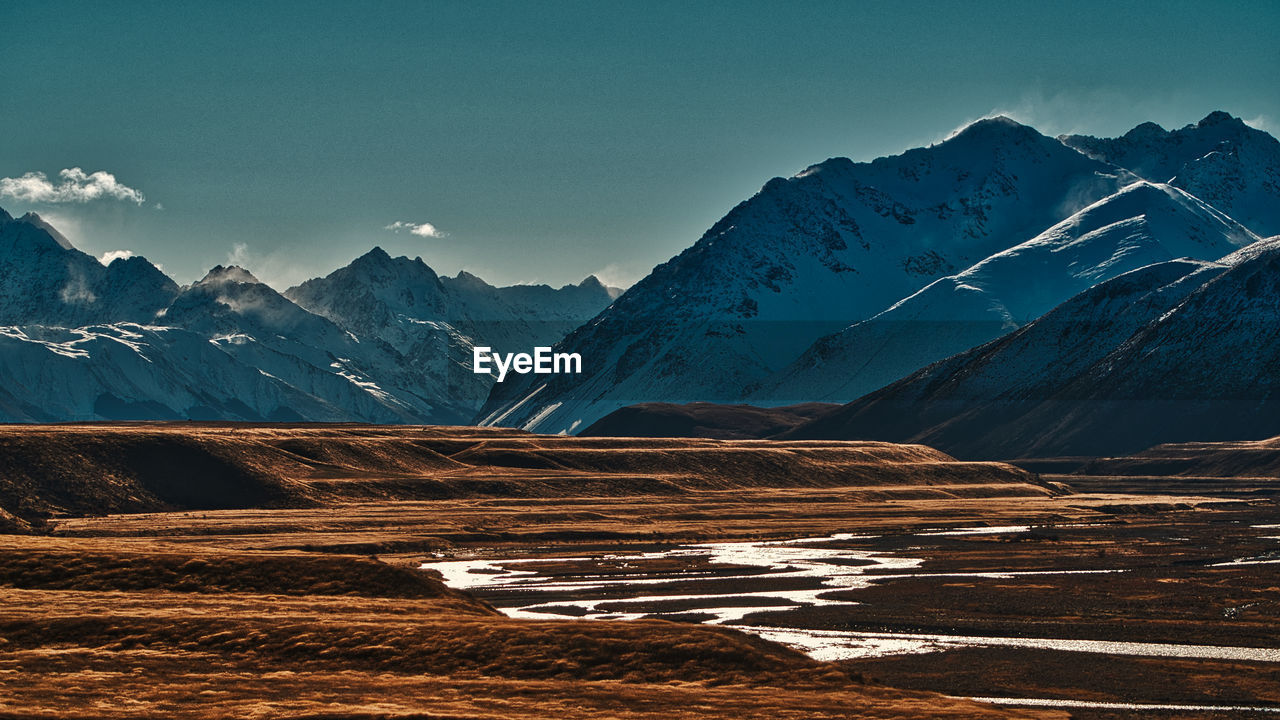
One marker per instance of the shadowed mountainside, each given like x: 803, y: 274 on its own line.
x: 1257, y: 458
x: 1174, y: 352
x: 703, y: 420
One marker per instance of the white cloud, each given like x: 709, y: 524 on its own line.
x: 280, y: 268
x: 112, y: 255
x: 74, y: 186
x: 239, y: 255
x: 425, y: 229
x: 615, y: 275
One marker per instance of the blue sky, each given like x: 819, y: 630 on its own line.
x: 541, y: 142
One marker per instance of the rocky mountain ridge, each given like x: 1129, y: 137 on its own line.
x: 84, y: 341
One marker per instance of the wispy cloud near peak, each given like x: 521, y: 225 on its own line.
x: 112, y: 255
x: 424, y: 229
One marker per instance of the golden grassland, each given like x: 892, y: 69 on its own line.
x: 208, y: 571
x: 90, y: 630
x: 103, y: 468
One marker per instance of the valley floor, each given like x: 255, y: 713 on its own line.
x: 318, y: 608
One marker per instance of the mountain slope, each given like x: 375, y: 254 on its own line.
x: 80, y: 341
x: 134, y: 372
x: 48, y: 281
x: 1172, y: 352
x: 389, y: 298
x: 431, y: 323
x: 401, y: 305
x: 805, y: 257
x: 262, y: 329
x: 547, y: 313
x: 703, y: 420
x: 87, y: 342
x: 1140, y: 225
x: 1220, y: 160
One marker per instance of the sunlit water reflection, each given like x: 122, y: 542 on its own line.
x: 820, y: 566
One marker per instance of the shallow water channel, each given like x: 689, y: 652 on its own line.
x: 723, y: 583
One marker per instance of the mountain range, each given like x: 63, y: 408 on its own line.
x: 803, y: 258
x: 848, y: 276
x: 997, y: 293
x: 1221, y: 160
x: 1174, y: 351
x: 49, y: 282
x: 1142, y: 224
x: 84, y: 341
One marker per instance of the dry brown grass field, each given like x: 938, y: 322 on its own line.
x: 192, y: 570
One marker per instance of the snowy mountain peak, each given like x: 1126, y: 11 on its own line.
x: 379, y: 263
x: 221, y: 274
x: 23, y: 236
x: 1219, y: 117
x: 1145, y: 132
x: 430, y: 324
x: 48, y: 282
x: 378, y: 268
x: 1138, y: 193
x: 464, y: 278
x: 1221, y: 160
x: 992, y: 133
x: 35, y: 220
x: 591, y: 282
x: 1158, y: 154
x: 997, y: 121
x: 230, y: 301
x: 1143, y: 224
x: 995, y: 126
x: 138, y: 271
x: 804, y: 257
x: 1169, y: 213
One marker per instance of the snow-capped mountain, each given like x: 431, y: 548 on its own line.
x: 537, y: 314
x: 46, y: 280
x: 432, y: 322
x: 401, y: 305
x: 785, y: 297
x: 126, y: 371
x: 1175, y: 351
x: 227, y: 347
x: 87, y: 342
x: 1220, y: 160
x: 83, y: 341
x: 390, y: 298
x: 805, y: 257
x: 1143, y: 224
x: 263, y: 329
